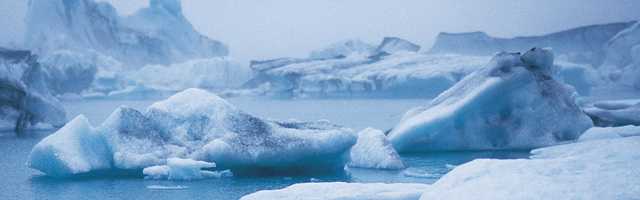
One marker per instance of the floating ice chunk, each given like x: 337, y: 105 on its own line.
x: 163, y: 187
x: 374, y: 151
x: 339, y: 190
x: 184, y: 169
x: 595, y: 169
x: 513, y: 103
x: 615, y: 113
x: 421, y: 175
x: 197, y: 125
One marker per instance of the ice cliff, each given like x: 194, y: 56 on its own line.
x: 196, y: 125
x: 512, y: 103
x: 159, y: 34
x: 25, y: 101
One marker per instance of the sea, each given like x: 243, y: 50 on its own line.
x: 17, y: 181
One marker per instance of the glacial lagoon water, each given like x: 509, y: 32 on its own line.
x: 20, y: 182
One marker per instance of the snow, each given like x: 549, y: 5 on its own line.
x: 594, y: 169
x: 373, y: 151
x: 340, y: 190
x: 195, y: 125
x: 498, y: 107
x: 159, y: 34
x: 25, y: 101
x: 610, y: 132
x: 615, y: 113
x: 184, y: 169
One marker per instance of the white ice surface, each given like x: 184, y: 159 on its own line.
x: 513, y: 103
x: 373, y: 151
x: 344, y: 48
x: 594, y: 169
x: 197, y: 125
x: 339, y: 190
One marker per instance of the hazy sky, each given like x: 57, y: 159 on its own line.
x: 260, y: 29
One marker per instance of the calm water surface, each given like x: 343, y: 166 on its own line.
x: 20, y: 182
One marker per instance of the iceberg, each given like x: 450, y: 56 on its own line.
x: 159, y: 34
x: 579, y: 45
x: 25, y: 101
x: 343, y: 49
x: 614, y: 113
x: 373, y: 151
x: 622, y: 63
x: 340, y: 190
x: 392, y: 45
x: 197, y: 126
x: 512, y: 104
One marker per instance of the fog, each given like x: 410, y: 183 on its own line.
x: 258, y: 30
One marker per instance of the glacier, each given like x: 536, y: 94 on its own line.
x: 195, y: 125
x: 25, y: 101
x: 601, y: 167
x: 498, y: 107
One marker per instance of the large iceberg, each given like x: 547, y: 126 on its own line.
x: 579, y: 45
x: 159, y: 34
x: 403, y: 74
x: 197, y: 125
x: 25, y: 101
x: 513, y: 103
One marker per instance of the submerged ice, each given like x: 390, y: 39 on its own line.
x: 513, y: 103
x: 196, y: 125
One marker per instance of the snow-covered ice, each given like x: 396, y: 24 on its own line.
x: 591, y: 169
x: 25, y: 101
x: 340, y: 190
x: 594, y: 169
x: 622, y: 64
x: 373, y: 151
x: 343, y: 49
x: 196, y: 125
x: 513, y: 103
